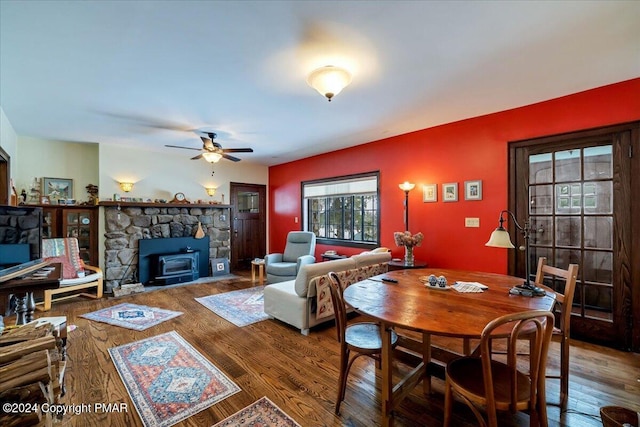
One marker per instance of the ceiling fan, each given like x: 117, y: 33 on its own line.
x: 212, y: 151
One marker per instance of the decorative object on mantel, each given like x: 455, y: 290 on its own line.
x: 409, y: 241
x: 93, y: 194
x: 179, y: 198
x: 57, y: 189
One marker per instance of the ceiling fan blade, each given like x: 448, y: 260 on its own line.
x: 207, y: 143
x: 199, y: 156
x: 228, y: 157
x: 185, y: 148
x: 237, y: 150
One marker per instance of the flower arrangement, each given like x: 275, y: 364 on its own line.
x: 406, y: 239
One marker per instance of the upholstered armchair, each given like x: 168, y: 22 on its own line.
x: 77, y: 277
x: 280, y: 267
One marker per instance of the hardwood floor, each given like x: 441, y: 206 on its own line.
x: 300, y: 374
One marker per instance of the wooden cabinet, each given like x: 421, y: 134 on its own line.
x: 80, y: 222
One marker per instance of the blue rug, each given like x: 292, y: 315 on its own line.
x: 242, y: 307
x: 132, y: 316
x: 168, y: 380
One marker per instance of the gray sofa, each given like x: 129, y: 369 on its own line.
x: 296, y: 301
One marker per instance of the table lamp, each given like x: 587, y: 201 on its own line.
x: 500, y: 239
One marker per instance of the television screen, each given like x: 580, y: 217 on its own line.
x: 20, y: 237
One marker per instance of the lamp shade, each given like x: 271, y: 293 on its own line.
x: 406, y: 186
x: 329, y: 81
x: 500, y: 239
x: 126, y: 186
x: 212, y: 157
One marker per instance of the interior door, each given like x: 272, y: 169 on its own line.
x: 248, y: 225
x: 577, y: 190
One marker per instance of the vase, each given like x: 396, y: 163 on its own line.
x: 408, y: 256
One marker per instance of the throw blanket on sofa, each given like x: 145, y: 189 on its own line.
x: 324, y: 307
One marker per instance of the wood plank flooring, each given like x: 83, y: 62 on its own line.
x: 300, y: 374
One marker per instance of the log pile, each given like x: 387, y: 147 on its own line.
x: 31, y: 374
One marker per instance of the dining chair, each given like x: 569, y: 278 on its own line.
x: 504, y: 386
x: 547, y: 275
x: 363, y: 338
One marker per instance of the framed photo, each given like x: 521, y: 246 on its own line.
x: 57, y: 188
x: 430, y: 193
x: 450, y: 192
x: 473, y: 190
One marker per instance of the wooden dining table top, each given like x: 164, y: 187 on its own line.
x: 412, y: 305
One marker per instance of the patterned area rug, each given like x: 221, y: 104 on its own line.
x: 242, y: 307
x: 261, y: 413
x: 132, y: 316
x: 168, y: 380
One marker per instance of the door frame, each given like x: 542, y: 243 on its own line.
x: 626, y: 294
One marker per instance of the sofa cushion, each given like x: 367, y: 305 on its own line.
x: 371, y: 258
x: 309, y: 271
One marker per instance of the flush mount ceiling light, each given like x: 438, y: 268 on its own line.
x: 212, y: 157
x: 329, y: 80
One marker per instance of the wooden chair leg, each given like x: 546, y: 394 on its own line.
x: 342, y: 381
x: 564, y: 370
x: 47, y: 301
x: 448, y: 403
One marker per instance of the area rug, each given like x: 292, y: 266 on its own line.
x: 132, y: 316
x: 168, y: 380
x: 242, y: 307
x: 263, y: 413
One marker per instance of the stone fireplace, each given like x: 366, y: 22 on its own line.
x: 126, y: 223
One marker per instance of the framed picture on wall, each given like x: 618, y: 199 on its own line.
x: 450, y: 192
x: 57, y: 188
x: 430, y: 193
x: 473, y: 190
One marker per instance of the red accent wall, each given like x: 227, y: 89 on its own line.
x: 470, y: 149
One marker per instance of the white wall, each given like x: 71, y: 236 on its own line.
x: 8, y: 141
x: 56, y: 159
x: 160, y: 175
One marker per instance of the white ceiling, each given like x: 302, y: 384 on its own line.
x: 148, y: 73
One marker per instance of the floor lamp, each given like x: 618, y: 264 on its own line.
x: 500, y: 239
x: 406, y: 187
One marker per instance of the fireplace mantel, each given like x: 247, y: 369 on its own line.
x: 163, y: 205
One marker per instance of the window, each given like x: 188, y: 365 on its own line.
x: 343, y: 210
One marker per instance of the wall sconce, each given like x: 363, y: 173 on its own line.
x: 212, y: 157
x: 126, y: 186
x: 329, y: 81
x: 211, y: 191
x: 500, y: 239
x: 406, y: 187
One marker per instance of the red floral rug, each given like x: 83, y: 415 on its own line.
x: 261, y: 413
x: 168, y: 380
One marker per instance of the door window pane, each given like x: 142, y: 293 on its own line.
x: 567, y: 165
x: 568, y: 231
x: 597, y: 267
x: 598, y: 162
x: 540, y: 199
x: 540, y: 168
x: 542, y: 230
x: 598, y: 232
x: 598, y: 197
x: 248, y: 202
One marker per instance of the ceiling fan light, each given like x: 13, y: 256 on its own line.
x: 212, y: 157
x: 329, y: 81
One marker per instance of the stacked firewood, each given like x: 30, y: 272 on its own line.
x: 31, y: 374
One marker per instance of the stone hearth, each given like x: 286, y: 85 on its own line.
x: 125, y: 225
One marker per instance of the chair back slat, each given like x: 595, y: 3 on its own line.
x: 339, y: 308
x: 538, y: 327
x: 565, y: 299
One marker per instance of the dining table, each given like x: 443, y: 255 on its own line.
x: 404, y: 300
